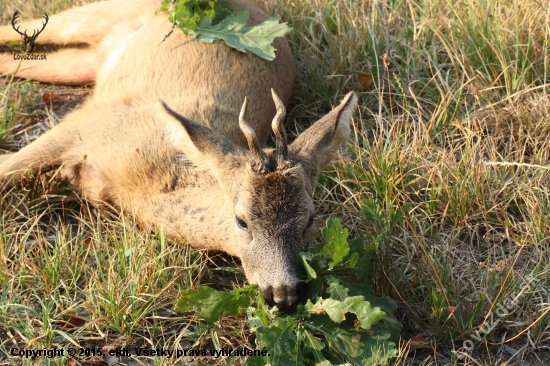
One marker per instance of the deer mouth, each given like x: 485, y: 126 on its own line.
x: 285, y: 297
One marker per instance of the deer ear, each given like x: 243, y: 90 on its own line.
x: 319, y: 144
x: 205, y: 148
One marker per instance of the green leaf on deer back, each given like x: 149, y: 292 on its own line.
x: 187, y: 14
x: 337, y: 242
x: 218, y: 11
x: 212, y: 304
x: 236, y: 34
x: 211, y: 20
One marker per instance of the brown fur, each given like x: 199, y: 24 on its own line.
x: 184, y: 168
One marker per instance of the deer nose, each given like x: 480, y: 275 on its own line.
x: 285, y: 297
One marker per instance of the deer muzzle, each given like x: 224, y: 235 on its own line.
x: 285, y: 297
x: 271, y: 266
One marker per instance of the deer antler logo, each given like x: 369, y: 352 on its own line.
x: 29, y: 40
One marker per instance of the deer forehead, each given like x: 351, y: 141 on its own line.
x: 280, y: 196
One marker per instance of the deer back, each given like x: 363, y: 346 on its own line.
x: 204, y: 82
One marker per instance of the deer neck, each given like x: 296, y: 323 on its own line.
x: 197, y: 210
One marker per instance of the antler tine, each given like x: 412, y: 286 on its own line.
x: 14, y: 20
x: 281, y: 145
x: 262, y: 165
x: 44, y: 24
x: 36, y: 32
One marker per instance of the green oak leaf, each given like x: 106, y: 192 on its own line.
x: 235, y: 33
x: 218, y: 10
x: 360, y: 347
x: 311, y: 274
x: 336, y: 290
x: 212, y: 304
x: 361, y: 257
x: 312, y: 345
x: 352, y: 327
x: 337, y: 310
x: 337, y: 242
x: 257, y: 317
x: 354, y: 289
x: 210, y: 20
x: 340, y: 339
x: 280, y: 342
x: 386, y: 304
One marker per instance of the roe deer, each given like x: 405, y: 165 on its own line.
x: 194, y: 163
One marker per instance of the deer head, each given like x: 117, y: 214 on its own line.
x: 29, y: 40
x: 271, y: 189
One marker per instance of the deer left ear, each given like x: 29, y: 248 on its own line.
x: 319, y: 144
x: 205, y: 148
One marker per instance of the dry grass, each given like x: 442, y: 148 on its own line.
x: 448, y: 174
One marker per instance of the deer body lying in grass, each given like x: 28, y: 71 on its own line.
x: 192, y: 164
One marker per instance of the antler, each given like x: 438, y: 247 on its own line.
x: 34, y: 36
x: 281, y: 145
x: 262, y: 166
x: 13, y: 20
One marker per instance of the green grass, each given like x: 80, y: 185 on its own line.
x: 447, y: 173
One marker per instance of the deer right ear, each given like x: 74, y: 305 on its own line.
x: 319, y: 144
x: 205, y: 148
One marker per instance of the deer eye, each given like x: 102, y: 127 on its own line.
x: 241, y: 224
x: 310, y: 222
